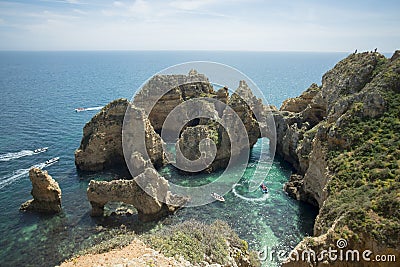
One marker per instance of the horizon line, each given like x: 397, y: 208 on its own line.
x: 179, y: 50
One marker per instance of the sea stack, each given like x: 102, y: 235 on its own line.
x: 45, y: 191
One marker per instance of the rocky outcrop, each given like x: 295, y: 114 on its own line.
x: 233, y: 129
x: 300, y: 103
x: 169, y: 91
x: 320, y: 132
x: 101, y: 145
x: 148, y: 193
x: 45, y: 191
x: 140, y: 137
x: 245, y: 104
x: 313, y: 251
x: 301, y: 123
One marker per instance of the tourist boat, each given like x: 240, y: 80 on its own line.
x: 264, y: 188
x: 218, y: 197
x: 40, y: 150
x: 79, y: 109
x: 52, y: 160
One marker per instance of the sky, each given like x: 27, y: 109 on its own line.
x: 244, y: 25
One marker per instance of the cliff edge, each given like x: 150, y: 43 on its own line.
x: 342, y: 139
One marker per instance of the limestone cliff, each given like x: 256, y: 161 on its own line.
x: 169, y: 91
x: 233, y: 130
x: 45, y: 191
x: 101, y: 145
x: 342, y: 140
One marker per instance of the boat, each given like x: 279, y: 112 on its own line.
x: 264, y: 188
x: 218, y: 197
x: 40, y: 150
x: 79, y: 109
x: 50, y: 161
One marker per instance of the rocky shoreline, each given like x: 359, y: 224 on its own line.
x: 327, y: 134
x: 340, y: 137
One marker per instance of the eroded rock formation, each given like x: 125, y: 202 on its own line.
x: 45, y: 191
x: 303, y: 136
x: 203, y: 120
x: 152, y: 202
x: 101, y: 145
x: 319, y: 133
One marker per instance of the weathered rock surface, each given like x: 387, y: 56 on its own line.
x: 309, y: 127
x: 300, y: 124
x: 101, y: 145
x: 45, y: 191
x: 245, y: 104
x: 237, y: 131
x: 352, y: 252
x: 300, y: 103
x: 139, y: 136
x: 151, y: 203
x: 169, y: 91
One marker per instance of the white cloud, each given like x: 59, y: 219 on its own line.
x: 190, y: 4
x: 118, y: 4
x: 79, y: 11
x: 72, y: 2
x: 190, y: 25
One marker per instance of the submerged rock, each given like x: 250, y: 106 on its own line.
x: 45, y: 191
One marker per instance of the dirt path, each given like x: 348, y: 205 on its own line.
x: 137, y: 254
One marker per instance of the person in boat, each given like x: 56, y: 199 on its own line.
x: 263, y: 187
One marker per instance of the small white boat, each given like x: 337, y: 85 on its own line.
x: 40, y: 150
x: 79, y: 109
x: 218, y: 197
x: 50, y: 161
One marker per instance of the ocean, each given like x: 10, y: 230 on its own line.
x: 39, y: 92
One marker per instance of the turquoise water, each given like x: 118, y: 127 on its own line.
x: 39, y: 92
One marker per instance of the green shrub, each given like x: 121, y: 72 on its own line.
x: 194, y: 240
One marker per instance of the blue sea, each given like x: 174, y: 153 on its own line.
x: 39, y: 92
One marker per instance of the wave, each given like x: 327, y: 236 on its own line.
x: 16, y: 175
x: 263, y: 198
x: 22, y: 153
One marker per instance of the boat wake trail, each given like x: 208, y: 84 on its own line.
x: 22, y: 153
x: 259, y: 199
x: 16, y: 155
x: 16, y: 175
x: 94, y: 108
x: 88, y: 109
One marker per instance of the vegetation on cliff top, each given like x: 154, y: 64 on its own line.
x: 197, y: 242
x: 365, y: 189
